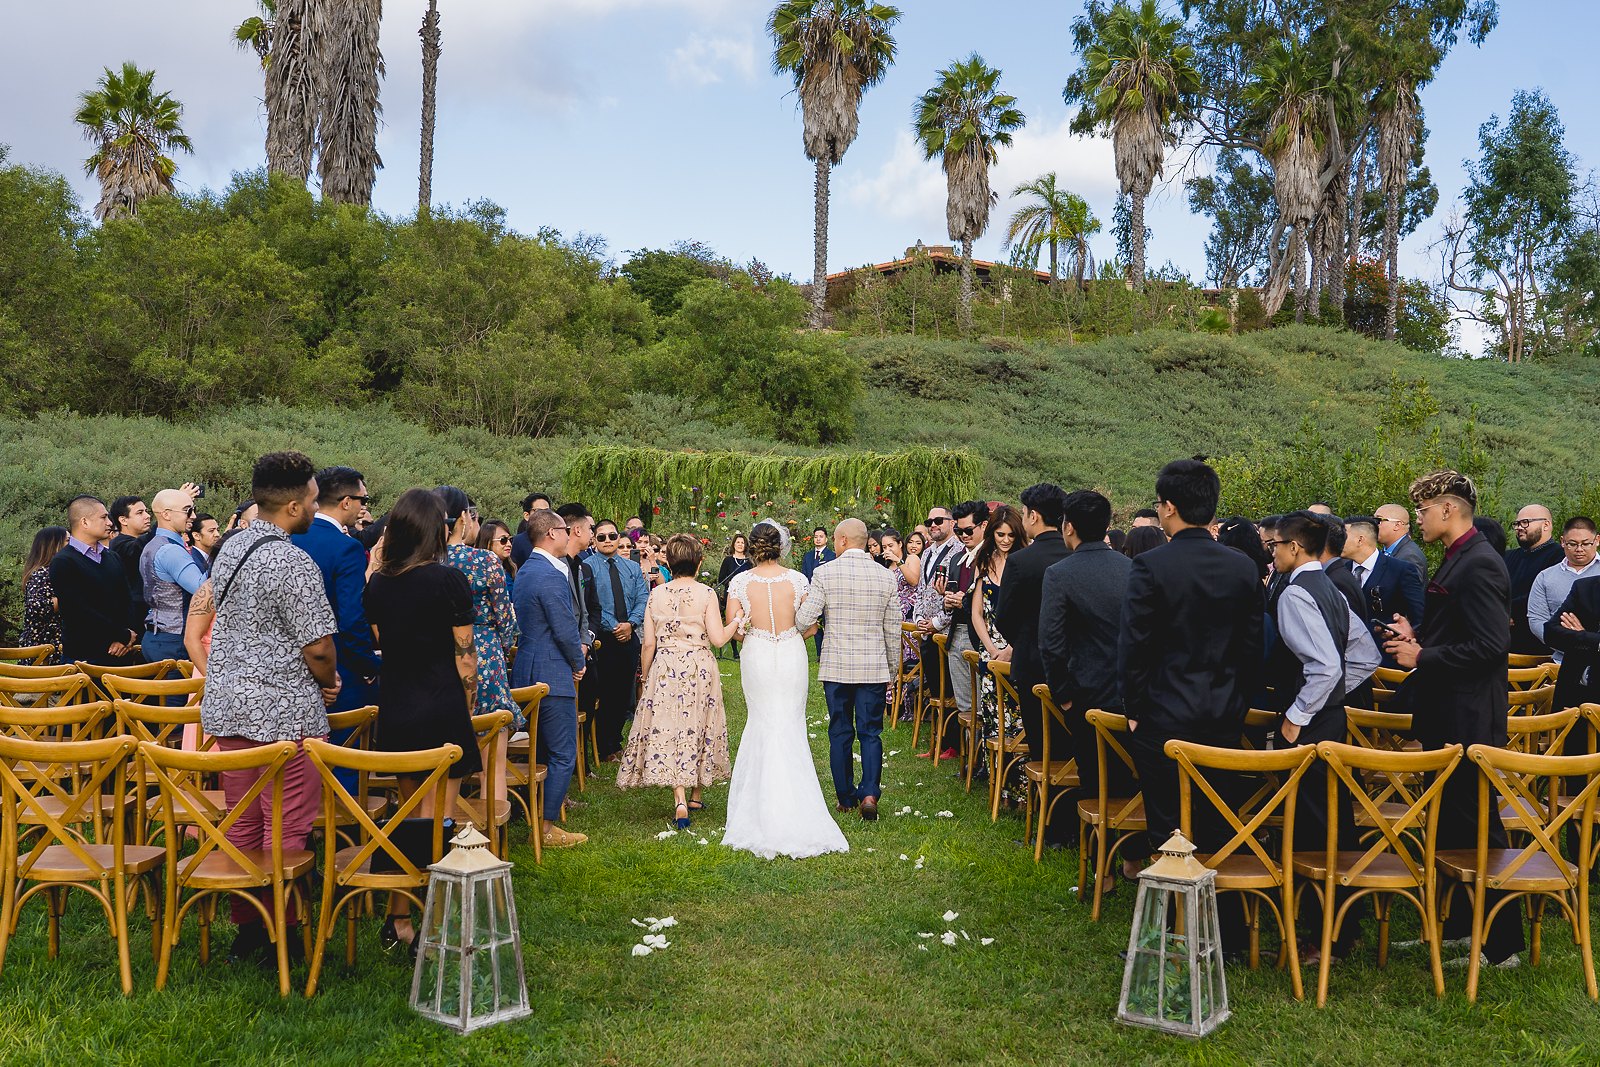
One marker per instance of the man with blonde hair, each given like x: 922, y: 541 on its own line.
x: 856, y: 599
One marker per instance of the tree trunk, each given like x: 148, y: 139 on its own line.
x: 1136, y: 226
x: 1357, y: 208
x: 1278, y: 273
x: 290, y: 94
x: 819, y: 252
x: 1339, y: 221
x: 349, y: 69
x: 1319, y: 266
x: 1297, y: 271
x: 430, y: 102
x: 966, y: 287
x: 1055, y: 277
x: 1391, y: 256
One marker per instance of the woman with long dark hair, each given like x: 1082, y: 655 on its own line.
x: 1143, y: 539
x: 494, y: 621
x: 41, y: 618
x: 1004, y: 536
x: 421, y: 613
x: 495, y: 536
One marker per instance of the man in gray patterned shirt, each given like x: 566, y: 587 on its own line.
x: 271, y: 672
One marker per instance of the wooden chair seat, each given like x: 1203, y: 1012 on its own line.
x: 1129, y: 819
x: 1537, y: 874
x: 58, y: 863
x: 1242, y: 872
x: 220, y: 871
x: 369, y: 880
x: 472, y: 808
x: 1063, y: 773
x: 1380, y: 872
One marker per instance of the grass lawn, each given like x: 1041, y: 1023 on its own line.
x: 815, y: 962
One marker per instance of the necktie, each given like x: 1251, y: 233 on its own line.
x: 619, y: 603
x: 1361, y: 574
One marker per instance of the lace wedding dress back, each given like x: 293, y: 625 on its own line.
x: 775, y: 802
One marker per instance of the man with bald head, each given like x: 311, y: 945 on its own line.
x: 1394, y: 537
x: 169, y: 576
x: 1537, y: 551
x: 856, y: 600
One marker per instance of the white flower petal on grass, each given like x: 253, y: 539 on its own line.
x: 904, y: 856
x: 656, y: 941
x: 905, y: 810
x: 951, y: 916
x: 918, y: 814
x: 927, y: 935
x: 964, y: 936
x: 663, y: 835
x: 657, y: 925
x: 985, y: 940
x: 636, y: 922
x: 872, y: 850
x: 642, y: 950
x: 948, y: 937
x: 945, y: 814
x: 894, y: 752
x: 923, y: 947
x: 702, y: 841
x: 813, y: 736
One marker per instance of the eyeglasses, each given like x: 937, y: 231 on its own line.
x: 362, y: 500
x: 965, y: 531
x: 1270, y: 545
x: 608, y: 537
x: 1397, y: 522
x: 1424, y: 509
x: 501, y: 540
x: 1522, y: 523
x: 561, y: 529
x: 937, y: 520
x: 1577, y: 544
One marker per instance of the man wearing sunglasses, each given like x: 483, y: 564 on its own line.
x: 169, y: 575
x: 342, y: 497
x: 623, y: 593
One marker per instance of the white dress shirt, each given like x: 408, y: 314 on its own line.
x: 1303, y: 630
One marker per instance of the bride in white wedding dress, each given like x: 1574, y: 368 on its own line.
x: 775, y: 803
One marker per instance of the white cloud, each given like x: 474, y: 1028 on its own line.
x: 705, y: 60
x: 907, y: 189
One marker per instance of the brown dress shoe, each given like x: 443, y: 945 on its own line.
x: 555, y: 837
x: 869, y: 809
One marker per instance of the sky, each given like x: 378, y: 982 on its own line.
x: 654, y: 121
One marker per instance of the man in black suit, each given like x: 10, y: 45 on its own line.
x: 1338, y: 569
x: 1189, y: 654
x: 1394, y: 536
x: 91, y: 589
x: 1456, y: 693
x: 1080, y: 617
x: 1016, y: 610
x: 1536, y: 552
x: 521, y: 546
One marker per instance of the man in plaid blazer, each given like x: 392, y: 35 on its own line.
x: 856, y: 596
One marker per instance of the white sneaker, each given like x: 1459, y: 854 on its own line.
x: 1510, y: 963
x: 520, y: 735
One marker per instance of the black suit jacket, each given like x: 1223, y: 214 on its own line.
x: 1458, y: 691
x: 1579, y: 682
x: 1080, y: 618
x: 94, y: 604
x: 1341, y: 572
x: 1189, y: 653
x: 1016, y: 611
x: 1524, y: 565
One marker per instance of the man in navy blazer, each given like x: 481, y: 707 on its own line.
x: 1389, y: 585
x: 550, y: 651
x: 341, y: 494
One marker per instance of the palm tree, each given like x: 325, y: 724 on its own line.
x: 1398, y: 110
x: 430, y: 103
x: 134, y: 128
x: 1137, y: 81
x: 277, y: 36
x: 1284, y: 81
x: 835, y: 50
x: 1052, y: 216
x: 347, y: 67
x: 964, y: 120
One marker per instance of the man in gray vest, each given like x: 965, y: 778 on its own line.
x: 170, y: 576
x: 1324, y: 652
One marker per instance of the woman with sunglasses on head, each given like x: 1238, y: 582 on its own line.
x: 494, y: 622
x: 1005, y: 535
x: 495, y: 537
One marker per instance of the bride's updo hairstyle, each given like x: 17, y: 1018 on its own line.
x: 764, y: 544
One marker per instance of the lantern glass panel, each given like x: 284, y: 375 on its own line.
x: 484, y: 1001
x: 438, y: 905
x: 502, y: 908
x: 428, y: 988
x: 450, y: 984
x: 510, y: 980
x: 1146, y: 996
x: 483, y: 911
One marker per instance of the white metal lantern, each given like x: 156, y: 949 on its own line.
x: 469, y: 960
x: 1173, y: 979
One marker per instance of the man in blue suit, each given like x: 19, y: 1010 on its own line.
x: 551, y: 651
x: 1389, y: 585
x: 341, y: 494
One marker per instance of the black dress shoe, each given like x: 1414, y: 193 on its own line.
x: 250, y: 944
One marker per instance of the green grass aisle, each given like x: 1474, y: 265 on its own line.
x: 814, y: 962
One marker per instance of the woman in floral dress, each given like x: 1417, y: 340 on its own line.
x: 494, y: 622
x: 41, y: 621
x: 1005, y: 536
x: 679, y: 738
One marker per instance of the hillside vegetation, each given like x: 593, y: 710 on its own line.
x: 1289, y: 414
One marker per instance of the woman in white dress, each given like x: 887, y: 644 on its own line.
x: 775, y: 803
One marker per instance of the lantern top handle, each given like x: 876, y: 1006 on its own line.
x: 469, y: 854
x: 1177, y: 862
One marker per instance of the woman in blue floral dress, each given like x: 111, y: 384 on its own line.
x: 494, y: 622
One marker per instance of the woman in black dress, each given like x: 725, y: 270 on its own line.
x: 421, y: 615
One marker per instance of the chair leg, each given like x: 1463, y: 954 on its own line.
x: 280, y: 937
x: 119, y: 908
x: 1477, y: 940
x: 1044, y: 809
x: 1290, y: 939
x: 1536, y: 928
x: 206, y: 911
x: 325, y: 920
x: 350, y: 937
x: 1382, y: 902
x: 1430, y: 930
x: 1325, y: 963
x: 1102, y: 864
x: 1585, y: 945
x: 54, y: 905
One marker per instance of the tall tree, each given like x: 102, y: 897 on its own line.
x: 963, y: 121
x: 278, y: 37
x: 835, y: 50
x: 347, y: 69
x: 1287, y: 84
x: 1138, y: 81
x: 1398, y: 119
x: 430, y: 104
x: 1238, y: 197
x: 134, y: 129
x: 1053, y: 215
x: 1515, y: 226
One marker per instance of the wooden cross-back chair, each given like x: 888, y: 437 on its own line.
x: 939, y: 704
x: 967, y: 721
x: 1535, y: 701
x: 1521, y: 679
x: 1389, y: 678
x: 360, y: 722
x: 26, y: 655
x: 490, y: 811
x: 49, y: 691
x: 1005, y: 752
x: 1391, y: 791
x: 525, y: 776
x: 1243, y: 863
x: 1105, y: 815
x: 37, y: 670
x: 59, y: 859
x: 1526, y: 659
x: 61, y: 780
x: 1048, y: 771
x: 1396, y: 860
x: 217, y: 868
x: 1537, y: 871
x: 907, y: 677
x: 347, y: 874
x: 179, y: 692
x: 161, y: 668
x: 158, y: 724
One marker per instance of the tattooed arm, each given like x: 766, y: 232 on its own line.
x: 467, y: 664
